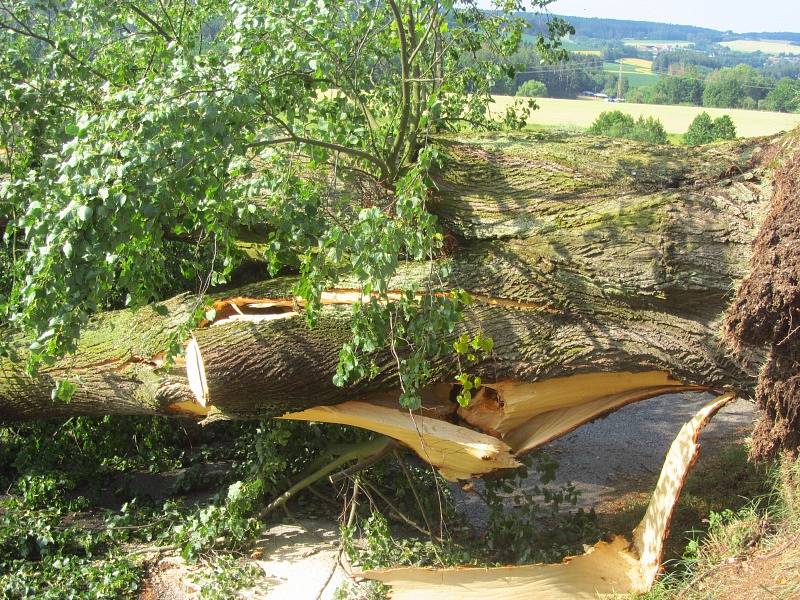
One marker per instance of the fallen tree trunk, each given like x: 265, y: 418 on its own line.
x: 586, y: 256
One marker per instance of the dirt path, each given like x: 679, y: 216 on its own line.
x: 610, y: 455
x: 625, y: 451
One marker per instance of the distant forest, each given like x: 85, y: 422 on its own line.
x: 617, y: 29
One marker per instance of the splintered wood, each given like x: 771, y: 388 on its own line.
x: 458, y: 452
x: 505, y: 405
x: 617, y: 567
x: 605, y: 568
x: 548, y: 426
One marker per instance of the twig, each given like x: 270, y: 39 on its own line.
x: 156, y: 549
x: 414, y: 490
x: 350, y: 520
x: 360, y: 451
x: 403, y: 517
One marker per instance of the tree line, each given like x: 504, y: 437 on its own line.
x: 687, y: 77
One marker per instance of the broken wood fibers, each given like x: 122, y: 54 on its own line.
x: 616, y: 567
x: 515, y: 417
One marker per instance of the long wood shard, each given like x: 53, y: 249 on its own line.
x: 652, y: 531
x: 618, y: 567
x: 458, y: 452
x: 548, y: 426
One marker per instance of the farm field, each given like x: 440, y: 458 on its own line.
x: 559, y: 112
x: 767, y: 46
x: 639, y: 63
x: 637, y: 75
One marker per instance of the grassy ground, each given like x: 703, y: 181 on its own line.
x: 570, y: 114
x: 767, y: 46
x: 707, y: 490
x: 751, y: 552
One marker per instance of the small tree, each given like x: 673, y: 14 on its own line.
x: 649, y: 130
x: 724, y: 129
x: 616, y: 123
x: 612, y: 123
x: 701, y: 130
x: 704, y: 130
x: 532, y: 89
x: 785, y: 96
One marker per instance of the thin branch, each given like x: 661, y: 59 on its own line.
x: 405, y: 101
x: 151, y: 21
x: 359, y: 451
x: 421, y: 44
x: 363, y: 464
x: 413, y: 490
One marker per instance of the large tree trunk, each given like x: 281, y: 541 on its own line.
x: 584, y: 255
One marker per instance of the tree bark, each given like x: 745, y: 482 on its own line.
x: 584, y: 255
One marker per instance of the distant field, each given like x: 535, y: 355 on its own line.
x: 637, y: 75
x: 640, y: 63
x: 659, y: 43
x: 557, y: 112
x: 573, y: 45
x: 588, y: 52
x: 767, y: 46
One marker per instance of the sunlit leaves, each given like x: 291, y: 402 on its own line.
x: 142, y: 140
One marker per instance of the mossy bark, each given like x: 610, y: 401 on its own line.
x: 585, y: 255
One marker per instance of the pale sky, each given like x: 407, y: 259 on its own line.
x: 736, y: 15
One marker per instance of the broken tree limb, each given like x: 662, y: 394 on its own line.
x: 608, y: 568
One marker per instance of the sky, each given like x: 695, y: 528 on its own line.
x: 735, y: 15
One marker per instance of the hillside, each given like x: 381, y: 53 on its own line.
x: 618, y: 29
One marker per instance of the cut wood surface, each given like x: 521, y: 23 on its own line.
x: 608, y: 568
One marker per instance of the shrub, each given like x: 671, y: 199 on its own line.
x: 532, y: 89
x: 649, y: 130
x: 704, y: 130
x: 724, y: 129
x: 615, y: 123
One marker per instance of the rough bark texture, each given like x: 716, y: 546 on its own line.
x: 766, y: 313
x: 585, y: 255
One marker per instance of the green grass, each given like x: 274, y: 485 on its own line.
x: 761, y: 533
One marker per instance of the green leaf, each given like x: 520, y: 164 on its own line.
x: 84, y: 212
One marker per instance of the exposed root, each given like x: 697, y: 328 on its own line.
x: 766, y: 313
